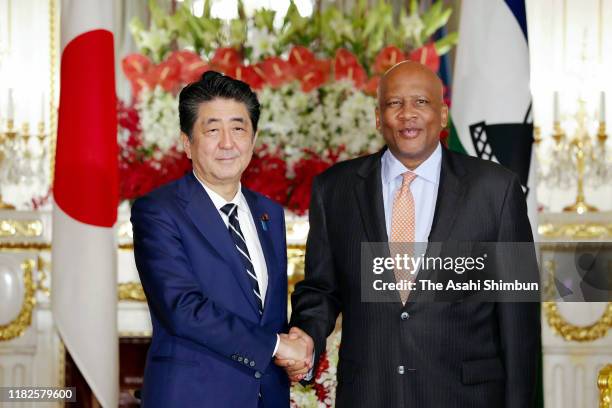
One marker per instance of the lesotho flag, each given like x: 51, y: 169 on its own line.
x: 491, y: 108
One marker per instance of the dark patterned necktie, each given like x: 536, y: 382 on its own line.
x: 231, y: 210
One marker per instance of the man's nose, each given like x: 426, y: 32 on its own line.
x: 407, y: 112
x: 226, y: 141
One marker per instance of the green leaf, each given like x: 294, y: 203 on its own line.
x: 439, y: 21
x: 207, y: 9
x: 238, y: 32
x: 445, y: 44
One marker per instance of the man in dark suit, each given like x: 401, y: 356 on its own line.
x: 212, y: 260
x: 406, y: 353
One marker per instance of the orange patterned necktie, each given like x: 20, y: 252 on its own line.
x: 403, y: 228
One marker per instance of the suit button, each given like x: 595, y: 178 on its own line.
x: 252, y: 364
x: 400, y: 370
x: 404, y: 316
x: 240, y: 359
x: 257, y: 375
x: 246, y: 360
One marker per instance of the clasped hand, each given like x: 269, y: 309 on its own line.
x: 294, y: 353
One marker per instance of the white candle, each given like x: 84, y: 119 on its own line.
x: 602, y: 107
x: 9, y: 105
x: 556, y: 106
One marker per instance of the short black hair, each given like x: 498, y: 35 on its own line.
x: 210, y: 86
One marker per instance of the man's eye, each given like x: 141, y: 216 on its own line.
x: 239, y: 129
x: 393, y: 103
x: 422, y: 101
x: 212, y: 131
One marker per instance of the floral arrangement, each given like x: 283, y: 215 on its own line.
x: 322, y: 393
x: 316, y: 78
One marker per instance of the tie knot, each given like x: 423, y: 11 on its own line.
x: 229, y: 208
x: 407, y: 178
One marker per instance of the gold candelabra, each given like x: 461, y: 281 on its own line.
x: 18, y: 159
x: 580, y: 148
x: 7, y: 139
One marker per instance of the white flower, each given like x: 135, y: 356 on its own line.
x: 262, y: 41
x: 155, y: 39
x: 159, y: 120
x: 413, y: 26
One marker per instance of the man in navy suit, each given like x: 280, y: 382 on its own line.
x: 212, y: 260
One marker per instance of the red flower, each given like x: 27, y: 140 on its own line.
x: 444, y: 134
x: 427, y: 55
x: 136, y: 68
x: 267, y: 174
x: 320, y: 390
x: 314, y: 75
x: 371, y: 86
x: 225, y: 59
x: 305, y: 171
x: 136, y: 179
x: 139, y: 175
x: 191, y: 65
x: 249, y: 74
x: 300, y: 56
x: 127, y: 117
x: 167, y: 75
x: 275, y: 71
x: 386, y: 58
x: 346, y: 66
x: 172, y: 166
x: 135, y: 65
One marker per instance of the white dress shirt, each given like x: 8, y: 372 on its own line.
x: 247, y: 225
x: 424, y: 189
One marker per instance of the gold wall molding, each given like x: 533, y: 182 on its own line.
x: 135, y: 334
x: 565, y: 329
x: 571, y: 332
x: 131, y: 291
x: 25, y: 246
x: 21, y: 228
x: 604, y: 383
x: 18, y: 326
x: 296, y: 262
x: 42, y: 276
x: 576, y: 231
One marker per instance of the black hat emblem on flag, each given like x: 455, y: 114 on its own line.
x: 509, y: 143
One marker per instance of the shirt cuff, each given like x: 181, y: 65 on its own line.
x: 310, y: 373
x: 277, y: 344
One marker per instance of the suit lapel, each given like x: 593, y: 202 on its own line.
x: 370, y: 199
x: 450, y: 194
x: 207, y: 220
x: 265, y: 239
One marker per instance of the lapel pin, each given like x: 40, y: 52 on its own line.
x: 264, y: 221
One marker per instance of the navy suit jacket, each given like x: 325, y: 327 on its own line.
x: 210, y: 348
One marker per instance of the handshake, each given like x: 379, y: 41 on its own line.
x: 295, y: 353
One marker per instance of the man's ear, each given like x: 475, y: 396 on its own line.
x: 255, y: 137
x: 377, y: 113
x: 444, y: 116
x: 186, y: 145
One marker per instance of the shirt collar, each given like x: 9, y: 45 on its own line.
x: 219, y: 201
x: 429, y: 170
